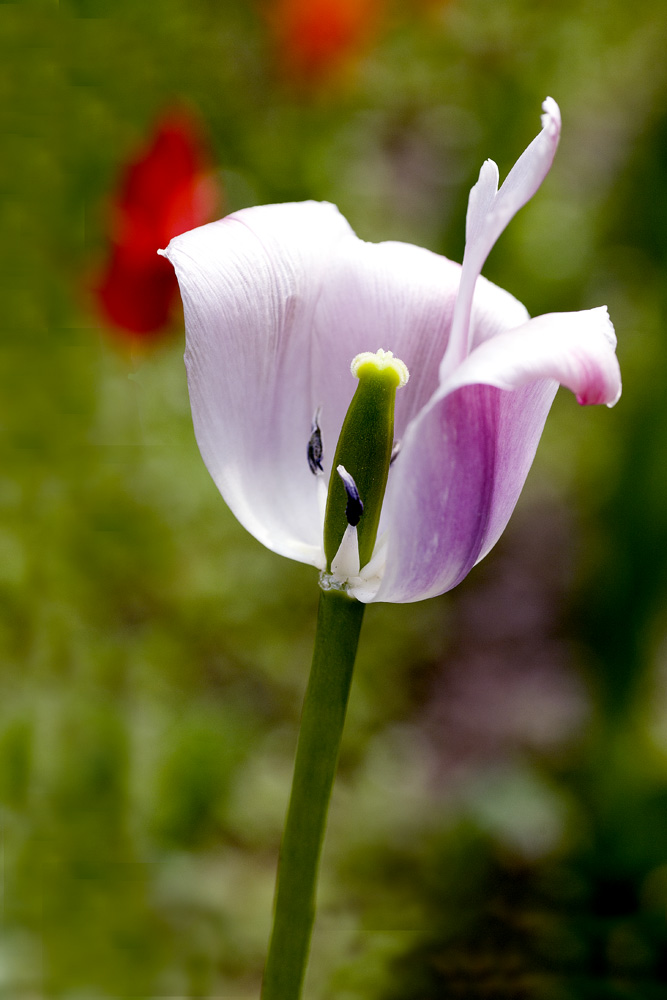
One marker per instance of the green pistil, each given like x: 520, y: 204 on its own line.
x: 364, y: 449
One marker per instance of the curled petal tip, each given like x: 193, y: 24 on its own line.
x: 603, y: 384
x: 551, y: 116
x: 615, y: 386
x: 607, y: 326
x: 597, y: 394
x: 482, y: 196
x: 489, y: 174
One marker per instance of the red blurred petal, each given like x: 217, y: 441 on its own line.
x: 137, y: 294
x: 317, y: 37
x: 162, y: 193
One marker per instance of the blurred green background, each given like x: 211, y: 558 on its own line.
x: 499, y: 825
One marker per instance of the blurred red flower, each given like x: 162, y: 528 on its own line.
x: 318, y: 37
x: 164, y: 192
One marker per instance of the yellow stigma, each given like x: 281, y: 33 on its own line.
x: 381, y: 361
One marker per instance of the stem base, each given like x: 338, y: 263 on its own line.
x: 339, y: 621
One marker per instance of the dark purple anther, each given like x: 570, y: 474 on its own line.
x: 315, y: 450
x: 354, y: 507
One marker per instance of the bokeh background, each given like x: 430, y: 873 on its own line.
x: 499, y: 824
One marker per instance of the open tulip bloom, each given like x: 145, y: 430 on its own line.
x: 371, y: 409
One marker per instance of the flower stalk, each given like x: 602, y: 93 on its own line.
x: 338, y: 626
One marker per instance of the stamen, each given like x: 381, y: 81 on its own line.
x: 354, y: 507
x: 315, y: 449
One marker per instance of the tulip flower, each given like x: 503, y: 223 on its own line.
x: 163, y: 192
x: 395, y: 489
x: 278, y: 301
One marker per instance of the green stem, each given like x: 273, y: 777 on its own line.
x: 338, y: 626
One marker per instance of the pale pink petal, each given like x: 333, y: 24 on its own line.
x: 393, y: 296
x: 494, y: 311
x: 489, y: 212
x: 465, y: 458
x: 577, y: 349
x: 278, y: 301
x: 460, y: 471
x: 250, y: 285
